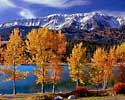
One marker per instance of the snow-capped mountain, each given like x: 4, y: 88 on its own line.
x: 81, y: 21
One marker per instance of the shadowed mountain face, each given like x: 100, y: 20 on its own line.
x: 88, y: 26
x: 111, y: 36
x: 5, y: 32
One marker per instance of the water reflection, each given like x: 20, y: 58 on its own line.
x: 28, y: 85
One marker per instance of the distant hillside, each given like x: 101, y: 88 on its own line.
x: 92, y: 26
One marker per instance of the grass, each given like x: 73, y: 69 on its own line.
x: 102, y: 98
x: 86, y: 98
x: 90, y: 98
x: 28, y: 97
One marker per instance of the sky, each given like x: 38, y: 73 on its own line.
x: 20, y: 9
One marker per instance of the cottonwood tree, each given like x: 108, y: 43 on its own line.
x: 14, y: 56
x: 120, y: 57
x: 76, y: 62
x: 98, y: 68
x: 43, y: 45
x: 56, y: 59
x: 56, y: 71
x: 109, y: 66
x: 40, y: 51
x: 103, y: 66
x: 120, y: 53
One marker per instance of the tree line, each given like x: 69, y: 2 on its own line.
x: 47, y: 49
x: 99, y: 71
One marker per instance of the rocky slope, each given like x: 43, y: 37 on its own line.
x: 78, y: 21
x: 81, y: 26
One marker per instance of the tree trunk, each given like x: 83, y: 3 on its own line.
x: 104, y: 85
x: 54, y: 83
x: 14, y: 87
x: 53, y: 88
x: 97, y: 88
x: 14, y: 80
x: 77, y: 83
x: 42, y: 85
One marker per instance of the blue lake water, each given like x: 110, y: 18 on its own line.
x: 28, y: 85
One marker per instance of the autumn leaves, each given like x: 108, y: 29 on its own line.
x: 43, y: 48
x: 46, y: 49
x: 76, y: 61
x: 14, y: 55
x: 100, y: 69
x: 106, y: 61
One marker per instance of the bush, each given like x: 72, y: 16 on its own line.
x: 119, y: 88
x: 80, y: 91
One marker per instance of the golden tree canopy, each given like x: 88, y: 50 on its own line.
x: 120, y: 53
x: 98, y: 69
x: 43, y: 45
x: 76, y: 61
x: 14, y: 52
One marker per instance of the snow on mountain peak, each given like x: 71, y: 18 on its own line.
x: 82, y: 21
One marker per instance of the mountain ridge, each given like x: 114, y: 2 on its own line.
x: 78, y: 21
x: 96, y: 27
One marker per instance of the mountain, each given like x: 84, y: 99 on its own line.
x: 79, y: 21
x: 92, y: 26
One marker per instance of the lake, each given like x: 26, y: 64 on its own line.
x: 29, y: 85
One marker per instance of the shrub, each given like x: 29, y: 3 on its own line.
x: 119, y: 88
x: 80, y: 91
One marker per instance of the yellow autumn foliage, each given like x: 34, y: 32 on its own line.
x: 76, y: 62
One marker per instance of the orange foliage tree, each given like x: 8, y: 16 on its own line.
x: 14, y: 56
x: 56, y: 71
x: 44, y: 45
x: 56, y: 59
x: 38, y: 47
x: 103, y: 66
x: 120, y: 59
x: 109, y: 65
x: 98, y: 67
x: 76, y: 62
